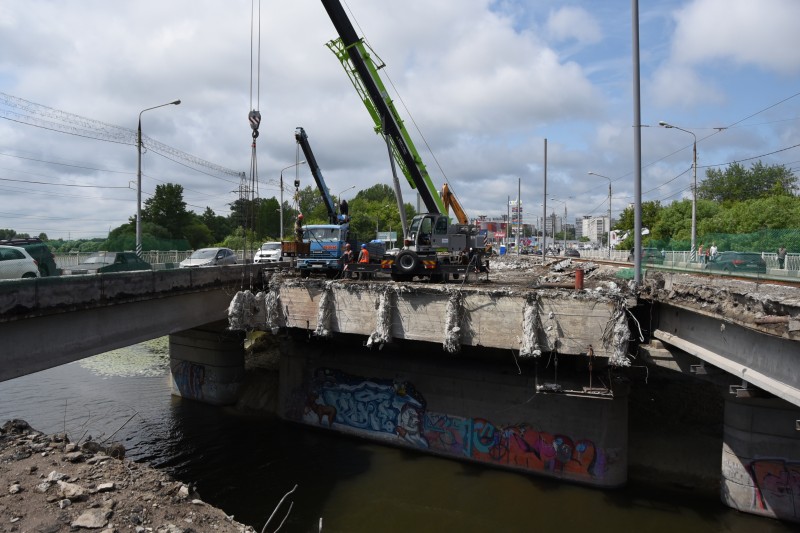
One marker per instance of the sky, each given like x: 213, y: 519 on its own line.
x: 483, y: 86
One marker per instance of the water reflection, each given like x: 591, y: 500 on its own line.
x: 245, y: 463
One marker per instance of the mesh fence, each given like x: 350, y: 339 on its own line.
x: 736, y: 248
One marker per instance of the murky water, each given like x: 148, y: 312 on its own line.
x: 245, y: 464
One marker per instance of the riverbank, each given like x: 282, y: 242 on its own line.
x: 50, y: 485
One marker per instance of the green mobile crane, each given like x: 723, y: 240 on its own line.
x: 434, y: 247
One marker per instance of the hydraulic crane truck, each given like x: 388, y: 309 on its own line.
x: 327, y: 241
x: 434, y: 247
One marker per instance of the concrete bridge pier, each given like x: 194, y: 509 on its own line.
x: 476, y: 406
x: 761, y: 457
x: 207, y: 363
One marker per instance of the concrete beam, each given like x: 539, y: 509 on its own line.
x: 768, y: 362
x: 569, y: 321
x: 48, y: 322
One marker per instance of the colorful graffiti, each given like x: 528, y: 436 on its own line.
x: 777, y: 486
x: 396, y: 410
x: 516, y: 445
x: 189, y: 379
x: 386, y: 407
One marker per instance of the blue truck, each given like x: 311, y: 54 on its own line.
x: 326, y: 242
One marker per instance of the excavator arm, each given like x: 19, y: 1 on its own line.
x: 450, y: 200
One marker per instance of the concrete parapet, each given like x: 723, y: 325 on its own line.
x: 207, y: 363
x: 761, y: 458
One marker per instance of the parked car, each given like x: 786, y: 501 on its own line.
x: 17, y: 263
x: 205, y: 257
x: 732, y: 262
x: 270, y: 252
x: 649, y: 255
x: 571, y: 252
x: 104, y: 262
x: 37, y: 249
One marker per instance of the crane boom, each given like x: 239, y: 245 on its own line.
x: 302, y: 139
x: 363, y: 73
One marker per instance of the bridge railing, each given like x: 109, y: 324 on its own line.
x: 154, y: 257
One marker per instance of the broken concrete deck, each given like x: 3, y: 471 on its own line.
x: 527, y: 314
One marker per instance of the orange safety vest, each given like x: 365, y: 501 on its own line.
x: 363, y: 256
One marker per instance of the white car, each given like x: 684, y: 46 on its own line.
x: 205, y: 257
x: 16, y: 263
x: 270, y: 252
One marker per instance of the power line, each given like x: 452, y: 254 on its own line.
x: 70, y: 123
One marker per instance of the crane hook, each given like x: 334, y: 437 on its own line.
x: 255, y: 121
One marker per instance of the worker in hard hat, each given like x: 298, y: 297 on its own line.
x: 298, y: 228
x: 363, y: 255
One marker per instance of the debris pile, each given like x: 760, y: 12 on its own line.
x: 48, y: 484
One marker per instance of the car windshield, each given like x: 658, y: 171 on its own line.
x: 271, y: 246
x: 205, y: 253
x: 100, y: 259
x: 321, y: 234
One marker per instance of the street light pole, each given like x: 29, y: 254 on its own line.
x: 564, y: 225
x: 339, y: 198
x: 692, y: 256
x: 139, y: 177
x: 281, y: 209
x: 609, y: 209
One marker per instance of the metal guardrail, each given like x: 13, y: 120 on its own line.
x: 154, y: 257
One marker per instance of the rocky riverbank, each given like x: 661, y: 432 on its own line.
x: 50, y: 485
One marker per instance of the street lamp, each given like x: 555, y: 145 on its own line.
x: 564, y: 225
x: 139, y: 178
x: 692, y: 255
x: 281, y: 210
x: 339, y: 197
x: 609, y: 208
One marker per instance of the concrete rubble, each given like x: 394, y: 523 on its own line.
x: 50, y: 485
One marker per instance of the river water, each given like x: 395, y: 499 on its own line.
x: 245, y: 463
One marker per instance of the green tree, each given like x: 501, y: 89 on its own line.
x: 268, y: 220
x: 167, y: 209
x: 219, y: 226
x: 7, y: 234
x: 736, y: 183
x: 625, y: 223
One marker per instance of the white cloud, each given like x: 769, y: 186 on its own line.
x: 743, y: 32
x: 576, y: 23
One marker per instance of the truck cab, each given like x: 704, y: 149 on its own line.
x: 326, y: 247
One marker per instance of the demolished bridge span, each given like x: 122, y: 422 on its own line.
x: 531, y: 321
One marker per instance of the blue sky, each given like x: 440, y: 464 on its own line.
x: 484, y: 82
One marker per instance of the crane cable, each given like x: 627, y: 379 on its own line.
x: 249, y: 192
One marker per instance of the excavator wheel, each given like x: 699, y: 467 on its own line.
x: 407, y: 262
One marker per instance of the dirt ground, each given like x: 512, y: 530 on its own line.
x: 49, y: 485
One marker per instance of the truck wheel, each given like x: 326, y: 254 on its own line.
x: 407, y: 262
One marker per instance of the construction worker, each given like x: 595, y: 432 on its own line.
x: 347, y: 259
x: 298, y: 228
x: 363, y: 255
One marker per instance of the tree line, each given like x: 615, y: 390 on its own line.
x: 167, y: 224
x: 744, y: 209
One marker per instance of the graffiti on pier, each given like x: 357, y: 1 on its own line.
x: 517, y: 445
x: 777, y: 486
x: 189, y: 379
x: 395, y: 410
x: 390, y: 408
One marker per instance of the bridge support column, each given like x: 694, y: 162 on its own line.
x: 414, y: 395
x: 761, y: 457
x: 207, y: 363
